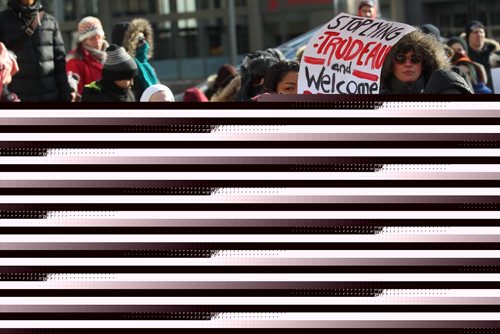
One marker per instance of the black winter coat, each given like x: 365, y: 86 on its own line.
x: 447, y: 82
x: 440, y: 82
x: 104, y: 91
x: 41, y: 58
x: 483, y: 57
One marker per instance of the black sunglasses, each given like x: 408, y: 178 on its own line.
x: 401, y: 59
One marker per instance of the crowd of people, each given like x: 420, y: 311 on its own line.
x: 35, y: 67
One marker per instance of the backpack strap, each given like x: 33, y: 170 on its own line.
x: 29, y: 31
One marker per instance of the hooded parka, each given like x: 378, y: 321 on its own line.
x: 41, y: 57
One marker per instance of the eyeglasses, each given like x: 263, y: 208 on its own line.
x: 401, y: 59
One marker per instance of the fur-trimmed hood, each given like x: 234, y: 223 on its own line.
x: 433, y: 54
x: 130, y: 36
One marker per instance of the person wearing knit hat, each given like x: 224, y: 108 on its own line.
x: 87, y: 59
x: 118, y: 75
x: 158, y: 93
x: 431, y: 29
x: 367, y: 9
x: 480, y: 49
x: 455, y: 40
x: 475, y: 34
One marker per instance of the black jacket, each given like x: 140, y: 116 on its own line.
x: 41, y: 58
x: 483, y: 57
x: 447, y: 82
x: 104, y: 91
x: 439, y: 82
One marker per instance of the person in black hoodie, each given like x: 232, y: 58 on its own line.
x: 417, y: 64
x: 117, y: 78
x: 480, y: 50
x: 41, y: 56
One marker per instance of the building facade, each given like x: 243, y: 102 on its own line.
x: 452, y: 15
x: 192, y: 36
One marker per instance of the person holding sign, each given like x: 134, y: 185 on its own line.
x: 418, y: 65
x: 346, y: 55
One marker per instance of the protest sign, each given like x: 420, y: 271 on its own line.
x: 347, y: 54
x: 495, y: 76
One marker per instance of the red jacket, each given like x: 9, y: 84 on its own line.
x: 81, y: 62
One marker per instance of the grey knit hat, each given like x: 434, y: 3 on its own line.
x: 119, y: 65
x: 455, y: 39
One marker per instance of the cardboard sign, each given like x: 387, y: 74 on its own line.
x: 495, y: 76
x: 347, y: 54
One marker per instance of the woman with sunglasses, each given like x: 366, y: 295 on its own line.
x: 417, y: 64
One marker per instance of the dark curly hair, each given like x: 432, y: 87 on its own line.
x: 277, y: 72
x: 432, y: 52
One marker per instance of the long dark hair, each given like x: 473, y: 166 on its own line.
x: 277, y: 72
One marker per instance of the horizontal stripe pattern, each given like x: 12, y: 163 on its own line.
x: 363, y: 220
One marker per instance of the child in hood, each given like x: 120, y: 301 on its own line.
x: 117, y: 78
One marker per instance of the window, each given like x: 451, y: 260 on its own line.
x: 215, y: 32
x: 91, y: 8
x: 495, y: 18
x: 243, y: 38
x: 445, y: 20
x: 70, y: 10
x: 460, y: 20
x: 188, y: 38
x: 132, y: 7
x: 204, y: 4
x: 164, y: 6
x: 164, y: 42
x: 186, y: 6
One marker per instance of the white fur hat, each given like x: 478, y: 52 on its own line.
x: 146, y: 96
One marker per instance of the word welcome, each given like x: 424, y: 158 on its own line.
x: 327, y: 84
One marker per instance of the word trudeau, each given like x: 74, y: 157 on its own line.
x: 371, y: 54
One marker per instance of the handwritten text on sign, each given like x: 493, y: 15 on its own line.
x: 346, y: 56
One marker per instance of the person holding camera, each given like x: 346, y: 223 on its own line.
x: 137, y: 38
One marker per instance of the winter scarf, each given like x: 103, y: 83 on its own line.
x: 117, y: 93
x: 97, y: 54
x: 26, y: 13
x: 147, y: 74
